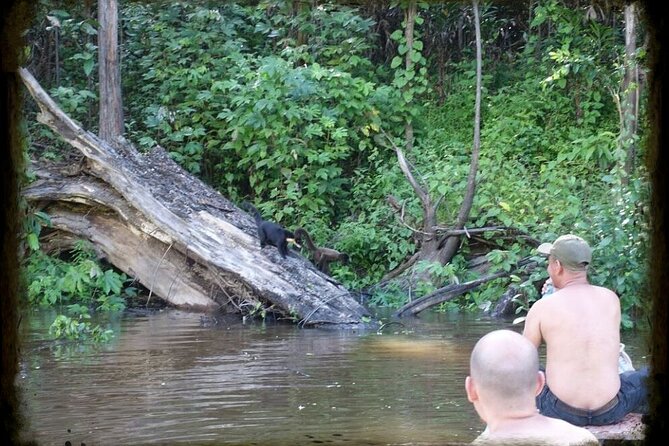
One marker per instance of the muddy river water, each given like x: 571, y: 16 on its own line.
x: 168, y: 379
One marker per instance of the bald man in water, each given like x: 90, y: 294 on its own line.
x: 580, y: 324
x: 503, y: 383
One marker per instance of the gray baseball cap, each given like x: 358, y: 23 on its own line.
x: 572, y: 251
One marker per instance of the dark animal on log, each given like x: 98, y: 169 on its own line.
x: 178, y: 237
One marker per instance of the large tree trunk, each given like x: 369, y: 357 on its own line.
x: 630, y: 91
x: 178, y: 237
x: 410, y: 19
x: 111, y: 104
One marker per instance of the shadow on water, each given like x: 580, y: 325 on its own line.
x: 168, y: 379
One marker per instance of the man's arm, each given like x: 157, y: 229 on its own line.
x: 532, y: 330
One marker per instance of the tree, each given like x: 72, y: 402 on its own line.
x: 410, y: 19
x: 111, y: 102
x: 629, y: 109
x: 437, y: 245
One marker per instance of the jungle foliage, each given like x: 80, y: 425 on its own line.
x: 281, y: 103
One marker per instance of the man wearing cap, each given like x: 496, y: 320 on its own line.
x: 580, y: 324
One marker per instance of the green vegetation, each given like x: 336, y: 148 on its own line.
x: 75, y: 285
x: 284, y: 106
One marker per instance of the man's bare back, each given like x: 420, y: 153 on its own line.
x: 580, y: 324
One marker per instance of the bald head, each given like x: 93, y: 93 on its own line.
x: 505, y: 363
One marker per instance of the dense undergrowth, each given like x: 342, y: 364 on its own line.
x: 285, y: 108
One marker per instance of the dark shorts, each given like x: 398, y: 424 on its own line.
x: 632, y: 397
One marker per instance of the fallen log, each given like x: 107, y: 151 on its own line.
x: 630, y: 430
x: 178, y: 237
x: 454, y: 290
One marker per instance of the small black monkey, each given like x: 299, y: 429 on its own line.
x: 271, y: 233
x: 322, y: 256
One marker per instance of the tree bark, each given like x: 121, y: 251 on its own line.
x: 178, y: 237
x: 111, y: 102
x: 451, y: 244
x: 630, y: 105
x: 410, y: 18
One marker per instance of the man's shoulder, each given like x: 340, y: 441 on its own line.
x: 547, y: 431
x: 605, y: 291
x: 575, y: 434
x: 536, y: 440
x: 542, y: 303
x: 577, y: 292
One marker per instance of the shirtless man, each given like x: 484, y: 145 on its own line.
x: 503, y: 383
x: 580, y: 324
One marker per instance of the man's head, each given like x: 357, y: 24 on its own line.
x: 570, y: 250
x: 504, y: 373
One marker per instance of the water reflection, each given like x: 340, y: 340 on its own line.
x: 167, y: 379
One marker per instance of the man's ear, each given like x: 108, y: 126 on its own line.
x: 559, y: 266
x: 470, y: 388
x: 541, y: 381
